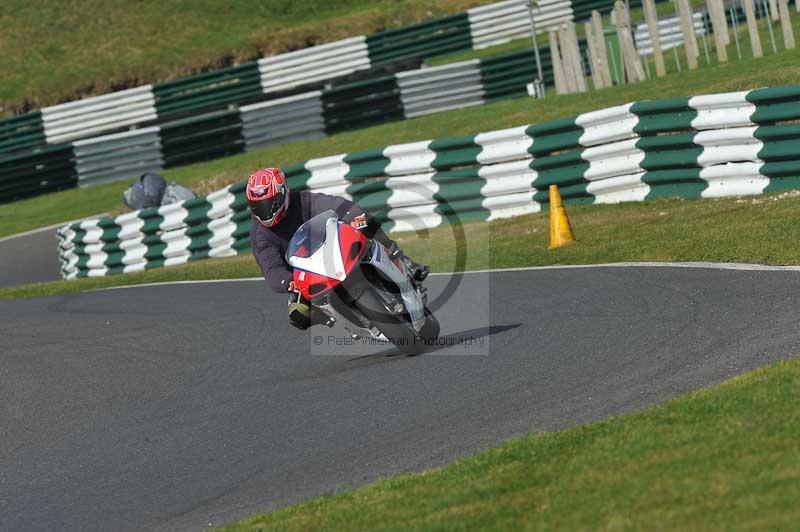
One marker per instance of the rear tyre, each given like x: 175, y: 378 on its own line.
x: 397, y: 327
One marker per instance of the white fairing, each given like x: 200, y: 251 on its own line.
x: 397, y: 273
x: 327, y: 260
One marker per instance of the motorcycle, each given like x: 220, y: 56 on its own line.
x: 351, y: 278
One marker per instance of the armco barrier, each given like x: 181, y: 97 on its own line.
x: 284, y: 120
x: 507, y: 75
x: 499, y: 23
x: 91, y: 116
x: 361, y: 104
x: 21, y: 132
x: 118, y: 156
x: 704, y: 146
x: 209, y: 90
x: 216, y: 134
x: 289, y: 73
x: 431, y: 90
x: 425, y: 39
x: 312, y: 65
x: 202, y: 138
x: 28, y: 174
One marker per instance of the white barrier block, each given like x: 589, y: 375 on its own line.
x: 509, y: 205
x: 733, y: 179
x: 221, y: 202
x: 717, y: 111
x: 619, y: 189
x: 607, y: 125
x: 178, y: 258
x: 327, y: 172
x: 504, y: 145
x: 412, y: 201
x: 221, y: 225
x: 174, y: 215
x: 130, y: 225
x: 611, y: 160
x: 409, y: 159
x: 135, y: 267
x: 728, y: 145
x: 414, y: 218
x: 505, y: 178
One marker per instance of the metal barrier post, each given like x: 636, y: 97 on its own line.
x: 538, y: 83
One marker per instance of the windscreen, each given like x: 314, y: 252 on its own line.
x: 310, y: 236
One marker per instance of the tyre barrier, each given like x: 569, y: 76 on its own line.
x: 298, y: 117
x: 700, y: 147
x: 271, y: 77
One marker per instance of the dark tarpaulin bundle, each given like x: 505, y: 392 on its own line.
x: 150, y: 190
x: 146, y: 192
x: 175, y: 193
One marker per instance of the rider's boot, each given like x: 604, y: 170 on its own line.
x: 418, y: 271
x: 303, y: 315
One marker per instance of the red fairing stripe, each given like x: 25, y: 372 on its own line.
x: 313, y: 285
x: 348, y: 236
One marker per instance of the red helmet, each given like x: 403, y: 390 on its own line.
x: 268, y: 196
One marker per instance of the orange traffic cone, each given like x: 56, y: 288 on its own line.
x: 560, y: 228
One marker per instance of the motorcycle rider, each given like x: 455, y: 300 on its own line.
x: 278, y: 212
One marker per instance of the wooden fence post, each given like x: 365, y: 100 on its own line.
x: 752, y: 28
x: 633, y: 63
x: 773, y: 10
x: 602, y: 53
x: 786, y: 24
x: 723, y: 21
x: 558, y: 69
x: 689, y: 37
x: 577, y: 60
x: 566, y: 61
x: 570, y: 59
x: 720, y: 28
x: 594, y: 64
x: 652, y: 28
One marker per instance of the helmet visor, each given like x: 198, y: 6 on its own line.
x: 265, y: 210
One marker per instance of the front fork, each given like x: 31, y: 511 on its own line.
x: 395, y: 271
x: 413, y: 297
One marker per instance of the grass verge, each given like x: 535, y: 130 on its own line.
x: 775, y: 70
x: 78, y: 48
x: 724, y: 458
x: 763, y: 229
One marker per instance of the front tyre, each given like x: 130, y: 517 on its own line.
x: 397, y: 327
x: 429, y: 332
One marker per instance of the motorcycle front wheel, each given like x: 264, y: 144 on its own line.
x: 397, y: 327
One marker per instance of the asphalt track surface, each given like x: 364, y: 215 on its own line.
x: 179, y: 407
x: 29, y: 258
